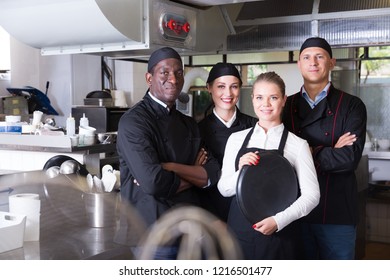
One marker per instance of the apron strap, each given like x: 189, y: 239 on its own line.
x: 248, y: 137
x: 244, y: 144
x: 283, y: 141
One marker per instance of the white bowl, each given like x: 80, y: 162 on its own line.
x: 384, y: 144
x: 86, y: 140
x: 87, y: 130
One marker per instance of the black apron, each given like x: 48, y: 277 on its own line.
x: 283, y: 245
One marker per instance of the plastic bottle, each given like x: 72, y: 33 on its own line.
x: 70, y: 126
x: 84, y: 121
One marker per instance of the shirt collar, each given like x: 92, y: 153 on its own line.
x: 318, y: 98
x: 230, y: 122
x: 159, y: 101
x: 273, y: 130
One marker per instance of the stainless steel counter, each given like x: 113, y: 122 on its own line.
x: 379, y: 164
x: 64, y: 230
x: 380, y: 154
x: 30, y: 152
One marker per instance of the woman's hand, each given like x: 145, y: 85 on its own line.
x: 267, y: 226
x: 251, y: 158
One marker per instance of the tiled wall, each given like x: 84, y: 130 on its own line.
x: 377, y: 100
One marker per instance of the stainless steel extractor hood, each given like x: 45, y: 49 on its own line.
x: 99, y: 26
x: 134, y: 28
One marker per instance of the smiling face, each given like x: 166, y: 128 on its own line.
x: 225, y: 92
x: 315, y: 64
x: 166, y: 80
x: 268, y: 100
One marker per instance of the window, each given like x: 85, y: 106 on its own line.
x: 375, y: 65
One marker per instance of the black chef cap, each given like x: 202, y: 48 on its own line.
x: 161, y: 54
x: 316, y: 42
x: 223, y: 69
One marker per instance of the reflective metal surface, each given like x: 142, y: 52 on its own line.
x: 65, y: 233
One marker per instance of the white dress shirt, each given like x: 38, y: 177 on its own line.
x: 296, y: 151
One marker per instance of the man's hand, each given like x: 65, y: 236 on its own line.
x: 346, y: 139
x: 201, y: 159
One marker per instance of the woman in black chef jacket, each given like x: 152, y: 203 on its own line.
x: 224, y: 84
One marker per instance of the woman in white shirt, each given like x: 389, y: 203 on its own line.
x: 278, y: 236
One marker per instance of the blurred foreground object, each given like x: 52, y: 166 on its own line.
x: 202, y: 236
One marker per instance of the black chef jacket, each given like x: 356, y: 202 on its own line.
x: 322, y: 126
x: 215, y: 135
x: 148, y: 135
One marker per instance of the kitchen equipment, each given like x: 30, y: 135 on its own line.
x: 104, y: 119
x: 50, y: 121
x: 108, y: 180
x: 70, y: 126
x: 107, y: 137
x: 87, y: 135
x: 119, y: 98
x: 91, y: 185
x: 52, y: 171
x: 36, y: 99
x: 87, y: 130
x: 99, y: 94
x: 107, y: 168
x: 15, y: 105
x: 99, y: 98
x: 74, y: 140
x: 37, y: 118
x: 266, y: 188
x: 98, y: 184
x: 58, y: 160
x: 84, y: 121
x: 13, y: 119
x: 100, y: 209
x: 69, y: 167
x: 375, y: 144
x: 384, y: 144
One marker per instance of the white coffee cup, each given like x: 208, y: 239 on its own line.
x: 37, y: 118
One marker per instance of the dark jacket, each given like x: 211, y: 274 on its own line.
x: 215, y: 135
x: 147, y: 136
x: 322, y: 126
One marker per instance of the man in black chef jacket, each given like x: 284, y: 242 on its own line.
x: 334, y: 124
x: 158, y: 147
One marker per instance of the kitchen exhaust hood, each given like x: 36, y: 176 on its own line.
x: 107, y: 27
x: 135, y: 28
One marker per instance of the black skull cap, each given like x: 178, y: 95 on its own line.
x: 223, y: 69
x: 316, y: 42
x: 161, y: 54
